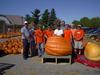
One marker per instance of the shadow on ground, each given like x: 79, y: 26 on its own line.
x: 5, y: 66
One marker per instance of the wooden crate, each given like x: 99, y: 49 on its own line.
x: 56, y: 59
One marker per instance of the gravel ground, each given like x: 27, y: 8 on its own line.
x: 34, y: 66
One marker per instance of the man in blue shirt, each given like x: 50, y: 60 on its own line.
x: 32, y: 41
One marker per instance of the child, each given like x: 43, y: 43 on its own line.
x: 39, y: 38
x: 78, y: 39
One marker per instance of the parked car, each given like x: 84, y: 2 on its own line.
x: 95, y: 34
x: 86, y: 29
x: 91, y: 30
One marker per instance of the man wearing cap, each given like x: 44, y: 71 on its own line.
x: 78, y: 39
x: 25, y: 38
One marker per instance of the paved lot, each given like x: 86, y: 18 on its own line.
x: 34, y: 66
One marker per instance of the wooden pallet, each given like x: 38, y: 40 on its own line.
x: 56, y: 59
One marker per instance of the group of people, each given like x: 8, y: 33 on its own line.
x: 35, y: 38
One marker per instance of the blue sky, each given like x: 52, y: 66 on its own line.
x: 67, y: 10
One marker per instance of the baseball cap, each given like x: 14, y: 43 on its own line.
x: 25, y: 22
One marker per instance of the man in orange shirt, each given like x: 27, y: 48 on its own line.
x: 68, y: 34
x: 39, y: 38
x: 78, y: 39
x: 48, y: 32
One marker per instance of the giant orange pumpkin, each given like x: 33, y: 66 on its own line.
x: 92, y: 51
x: 57, y: 46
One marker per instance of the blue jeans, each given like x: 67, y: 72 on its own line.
x: 32, y: 47
x: 40, y: 49
x: 25, y: 48
x: 78, y: 44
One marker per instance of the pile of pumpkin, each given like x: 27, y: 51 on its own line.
x: 11, y: 46
x: 14, y: 33
x: 10, y: 34
x: 4, y: 36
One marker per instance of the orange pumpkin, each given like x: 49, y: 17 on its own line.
x: 0, y: 35
x: 92, y: 51
x: 9, y: 51
x: 12, y: 46
x: 57, y: 46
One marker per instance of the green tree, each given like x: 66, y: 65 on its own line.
x: 76, y: 22
x: 52, y: 17
x: 95, y: 22
x: 44, y: 19
x: 28, y: 18
x: 36, y: 15
x: 85, y: 21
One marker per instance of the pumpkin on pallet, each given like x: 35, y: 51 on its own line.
x: 58, y: 46
x: 92, y: 51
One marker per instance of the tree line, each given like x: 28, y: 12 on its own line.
x: 87, y: 22
x: 50, y: 19
x: 44, y: 20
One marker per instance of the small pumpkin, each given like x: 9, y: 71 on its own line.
x: 92, y: 51
x: 12, y: 46
x: 58, y: 46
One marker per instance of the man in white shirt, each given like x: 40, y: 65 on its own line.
x: 25, y: 31
x: 25, y: 38
x: 58, y: 31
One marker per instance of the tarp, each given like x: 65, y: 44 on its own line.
x: 82, y: 59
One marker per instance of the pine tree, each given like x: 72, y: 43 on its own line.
x: 44, y: 20
x: 36, y: 15
x: 28, y: 18
x: 52, y: 17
